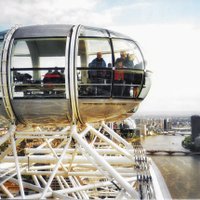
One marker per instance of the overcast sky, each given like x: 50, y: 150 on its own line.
x: 167, y: 30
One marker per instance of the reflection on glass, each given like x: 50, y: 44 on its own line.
x: 128, y: 52
x: 117, y: 35
x: 89, y: 48
x: 90, y: 31
x: 51, y: 85
x: 147, y: 85
x: 116, y: 83
x: 94, y: 72
x: 127, y: 83
x: 98, y: 83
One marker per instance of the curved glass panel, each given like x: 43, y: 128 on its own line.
x: 127, y: 83
x: 146, y: 86
x: 94, y: 72
x: 1, y: 45
x: 129, y: 66
x: 37, y: 68
x: 118, y: 35
x: 128, y: 52
x: 93, y: 32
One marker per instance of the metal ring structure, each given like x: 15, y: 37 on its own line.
x: 73, y: 49
x: 4, y: 71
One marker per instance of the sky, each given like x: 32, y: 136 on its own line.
x: 168, y: 32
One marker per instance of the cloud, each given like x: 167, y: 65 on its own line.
x: 100, y: 13
x: 147, y: 12
x: 169, y: 38
x: 52, y: 11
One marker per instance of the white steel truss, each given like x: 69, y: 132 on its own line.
x: 74, y: 163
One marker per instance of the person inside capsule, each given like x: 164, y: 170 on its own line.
x: 97, y: 75
x: 129, y: 77
x: 52, y: 80
x: 127, y: 59
x: 118, y: 87
x: 98, y: 62
x: 23, y: 78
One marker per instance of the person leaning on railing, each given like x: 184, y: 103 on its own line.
x: 97, y: 75
x: 128, y: 63
x: 118, y: 89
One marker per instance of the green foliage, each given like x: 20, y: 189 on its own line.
x: 187, y: 143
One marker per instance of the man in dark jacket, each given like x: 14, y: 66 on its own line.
x: 98, y: 61
x: 97, y: 75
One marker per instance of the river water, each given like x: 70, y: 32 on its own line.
x: 181, y: 173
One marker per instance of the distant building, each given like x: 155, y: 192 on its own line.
x: 143, y: 130
x: 195, y: 124
x: 167, y: 125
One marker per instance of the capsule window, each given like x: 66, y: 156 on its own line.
x: 94, y: 67
x: 128, y: 69
x: 37, y: 68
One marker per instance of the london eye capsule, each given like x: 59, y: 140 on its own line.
x: 65, y: 73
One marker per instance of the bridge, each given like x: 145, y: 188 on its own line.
x: 176, y: 133
x: 172, y: 152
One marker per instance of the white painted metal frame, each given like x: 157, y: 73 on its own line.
x: 78, y: 166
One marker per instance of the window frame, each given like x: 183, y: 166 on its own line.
x: 32, y: 69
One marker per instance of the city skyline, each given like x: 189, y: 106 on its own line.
x: 168, y: 32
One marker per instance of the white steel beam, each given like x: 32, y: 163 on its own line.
x: 69, y: 151
x: 116, y: 136
x: 67, y: 186
x: 27, y: 185
x: 8, y: 193
x: 44, y: 183
x: 101, y: 161
x: 36, y: 196
x: 41, y: 133
x: 17, y: 164
x: 83, y: 193
x: 78, y: 193
x: 90, y: 186
x: 56, y: 168
x: 81, y: 170
x: 115, y: 160
x: 78, y: 173
x: 36, y: 180
x: 99, y: 167
x: 54, y: 153
x: 111, y: 143
x: 60, y: 182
